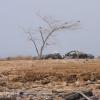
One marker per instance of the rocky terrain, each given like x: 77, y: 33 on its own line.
x: 50, y: 79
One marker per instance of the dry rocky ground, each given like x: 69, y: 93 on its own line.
x: 48, y: 79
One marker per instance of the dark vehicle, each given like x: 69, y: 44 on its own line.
x: 77, y: 54
x: 52, y: 56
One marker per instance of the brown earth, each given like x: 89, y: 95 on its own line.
x: 50, y: 75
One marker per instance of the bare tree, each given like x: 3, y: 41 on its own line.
x: 45, y: 32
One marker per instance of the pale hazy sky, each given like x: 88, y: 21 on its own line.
x: 16, y: 13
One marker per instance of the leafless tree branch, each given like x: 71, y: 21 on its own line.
x: 46, y: 32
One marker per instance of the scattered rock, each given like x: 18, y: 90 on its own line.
x: 89, y: 82
x: 56, y: 95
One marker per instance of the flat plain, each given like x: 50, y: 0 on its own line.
x: 45, y: 76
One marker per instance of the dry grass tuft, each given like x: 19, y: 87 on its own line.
x: 50, y: 70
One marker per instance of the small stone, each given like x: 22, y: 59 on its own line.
x: 77, y: 83
x: 21, y: 93
x: 88, y: 82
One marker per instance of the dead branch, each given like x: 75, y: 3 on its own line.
x: 46, y: 32
x: 86, y: 97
